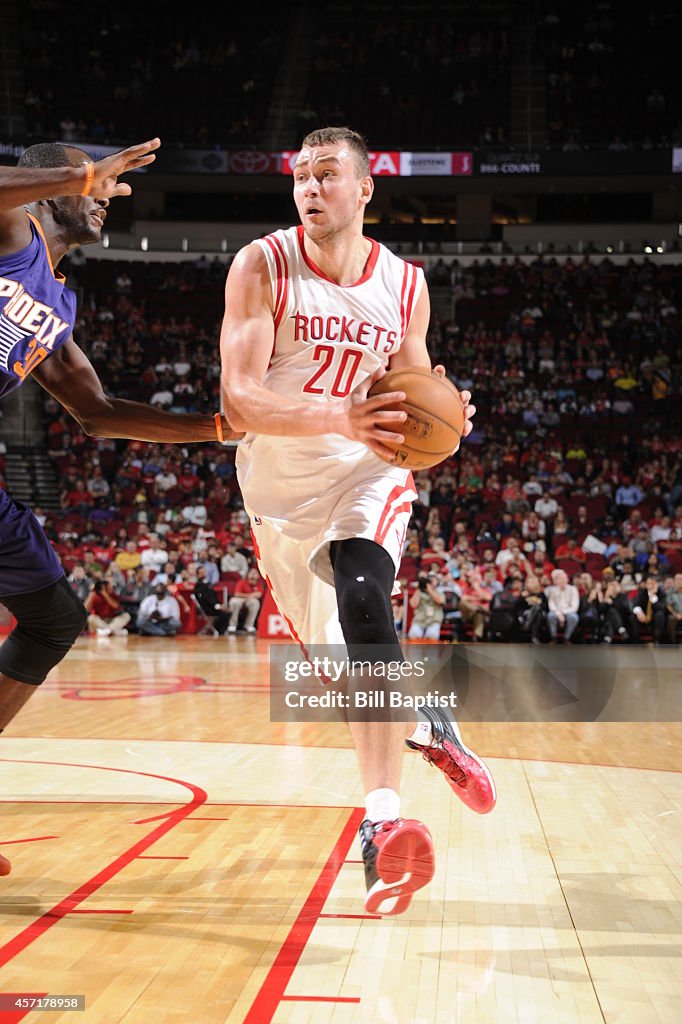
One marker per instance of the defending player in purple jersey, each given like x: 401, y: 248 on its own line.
x: 53, y: 201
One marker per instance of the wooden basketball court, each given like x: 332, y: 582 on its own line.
x: 178, y: 857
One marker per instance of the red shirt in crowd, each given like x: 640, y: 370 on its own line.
x: 245, y: 589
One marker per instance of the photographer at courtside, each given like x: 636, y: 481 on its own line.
x: 428, y: 606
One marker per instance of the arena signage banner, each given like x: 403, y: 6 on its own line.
x: 444, y: 164
x: 510, y: 163
x: 394, y: 163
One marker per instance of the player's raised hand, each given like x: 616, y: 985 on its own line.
x: 369, y: 419
x: 105, y: 182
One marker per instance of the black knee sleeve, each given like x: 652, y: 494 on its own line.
x: 364, y: 575
x: 49, y: 621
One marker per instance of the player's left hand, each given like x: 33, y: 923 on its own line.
x: 105, y: 184
x: 469, y: 409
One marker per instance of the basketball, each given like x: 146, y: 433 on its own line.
x: 435, y: 416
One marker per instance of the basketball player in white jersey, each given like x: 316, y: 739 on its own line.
x: 314, y: 315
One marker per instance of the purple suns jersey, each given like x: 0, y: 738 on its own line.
x: 37, y: 310
x: 37, y: 314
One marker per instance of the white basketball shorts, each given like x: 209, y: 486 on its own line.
x: 294, y: 558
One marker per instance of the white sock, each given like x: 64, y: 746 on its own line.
x: 422, y: 734
x: 382, y: 805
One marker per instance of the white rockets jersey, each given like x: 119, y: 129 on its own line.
x: 328, y: 339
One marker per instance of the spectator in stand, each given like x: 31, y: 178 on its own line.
x: 582, y: 526
x: 533, y: 531
x: 188, y: 481
x: 627, y: 496
x: 504, y: 526
x: 490, y: 578
x: 627, y: 574
x: 533, y: 619
x: 563, y: 601
x: 435, y: 552
x: 210, y: 603
x: 511, y: 553
x: 541, y: 566
x: 155, y: 556
x: 234, y: 561
x: 248, y: 593
x: 170, y: 574
x: 162, y: 397
x: 561, y: 528
x: 97, y: 484
x: 80, y: 583
x: 428, y: 608
x: 506, y: 608
x: 649, y: 610
x: 195, y: 513
x: 130, y: 558
x: 134, y: 590
x: 569, y: 549
x: 589, y: 624
x: 106, y: 615
x: 532, y: 488
x: 660, y: 531
x: 546, y: 507
x: 165, y: 480
x: 159, y: 613
x: 474, y: 603
x: 209, y: 559
x: 614, y: 609
x: 673, y: 604
x: 640, y: 543
x: 78, y: 499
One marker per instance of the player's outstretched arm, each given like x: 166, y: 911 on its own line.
x: 70, y: 377
x: 99, y: 179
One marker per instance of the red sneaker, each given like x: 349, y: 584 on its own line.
x: 466, y: 773
x: 5, y: 866
x: 399, y: 859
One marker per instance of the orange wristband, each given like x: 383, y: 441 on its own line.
x: 89, y: 178
x: 219, y: 426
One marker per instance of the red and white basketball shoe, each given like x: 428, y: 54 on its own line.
x: 399, y: 859
x: 469, y: 777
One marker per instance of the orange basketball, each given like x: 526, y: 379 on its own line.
x: 435, y: 416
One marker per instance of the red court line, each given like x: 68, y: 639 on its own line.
x: 34, y: 839
x: 145, y: 803
x: 67, y: 905
x: 272, y: 990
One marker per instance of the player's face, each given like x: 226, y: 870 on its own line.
x: 330, y: 195
x: 79, y: 218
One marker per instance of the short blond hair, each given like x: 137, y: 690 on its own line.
x: 333, y: 136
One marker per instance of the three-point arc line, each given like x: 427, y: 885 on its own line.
x: 272, y: 991
x: 69, y: 904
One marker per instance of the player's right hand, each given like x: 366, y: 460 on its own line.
x: 369, y: 419
x: 105, y: 183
